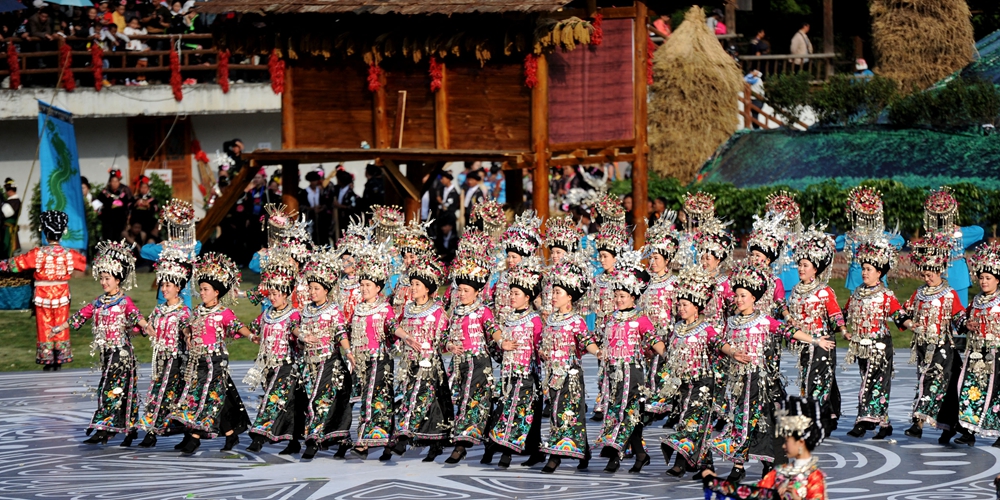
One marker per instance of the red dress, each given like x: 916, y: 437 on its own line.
x: 53, y: 265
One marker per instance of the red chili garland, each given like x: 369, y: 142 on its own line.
x: 598, y: 24
x: 277, y: 69
x: 436, y: 74
x: 374, y: 72
x: 650, y: 50
x: 530, y: 71
x: 14, y: 64
x: 224, y: 71
x: 97, y: 65
x: 175, y: 74
x: 199, y: 154
x: 65, y: 62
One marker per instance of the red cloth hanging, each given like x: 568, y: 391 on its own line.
x: 175, y: 72
x: 598, y: 24
x: 66, y: 63
x: 97, y: 65
x: 436, y: 74
x: 14, y: 65
x: 530, y: 71
x: 650, y: 50
x: 224, y: 71
x: 277, y: 69
x: 374, y: 72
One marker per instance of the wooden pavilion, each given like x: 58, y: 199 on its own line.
x: 534, y: 84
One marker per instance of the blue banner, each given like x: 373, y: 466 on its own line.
x: 60, y: 167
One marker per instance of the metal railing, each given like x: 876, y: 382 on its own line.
x: 819, y: 66
x: 198, y: 58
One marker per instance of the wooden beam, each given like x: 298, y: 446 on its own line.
x: 606, y: 12
x: 397, y: 175
x: 828, y: 33
x: 731, y: 17
x: 590, y: 160
x: 321, y: 155
x: 382, y: 134
x: 540, y: 138
x: 230, y: 195
x: 288, y: 111
x: 573, y: 146
x: 290, y: 184
x: 397, y: 128
x: 441, y: 138
x: 640, y: 175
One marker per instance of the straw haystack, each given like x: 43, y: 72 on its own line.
x: 693, y: 99
x: 919, y: 42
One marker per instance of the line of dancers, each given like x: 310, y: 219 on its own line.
x: 481, y: 353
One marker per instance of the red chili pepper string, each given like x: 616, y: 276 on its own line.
x: 224, y: 71
x: 598, y: 24
x: 14, y: 65
x: 175, y: 74
x: 97, y: 65
x: 530, y: 71
x: 277, y: 69
x: 66, y: 63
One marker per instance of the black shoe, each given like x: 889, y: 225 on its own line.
x: 488, y: 455
x: 504, y: 461
x: 598, y: 416
x: 858, y: 430
x: 192, y: 446
x: 640, y: 462
x: 132, y: 434
x: 456, y: 456
x: 360, y: 453
x: 311, y: 450
x: 535, y: 459
x: 967, y: 438
x: 256, y: 443
x: 946, y: 436
x: 148, y: 441
x: 613, y: 464
x: 293, y: 447
x: 231, y: 441
x: 667, y: 452
x: 399, y: 448
x: 47, y: 368
x: 56, y: 367
x: 701, y: 474
x: 883, y: 432
x: 434, y: 451
x: 99, y: 437
x: 996, y: 444
x: 736, y: 475
x: 341, y: 451
x: 915, y: 431
x: 679, y: 468
x: 584, y: 462
x: 386, y: 455
x: 552, y: 465
x: 180, y: 446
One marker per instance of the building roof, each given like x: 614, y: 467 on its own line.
x: 381, y: 7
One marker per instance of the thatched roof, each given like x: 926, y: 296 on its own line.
x: 381, y: 7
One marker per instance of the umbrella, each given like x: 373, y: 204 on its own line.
x: 72, y: 3
x: 10, y: 6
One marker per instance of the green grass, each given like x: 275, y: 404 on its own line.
x: 18, y: 331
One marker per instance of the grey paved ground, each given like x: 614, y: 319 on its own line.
x: 44, y: 416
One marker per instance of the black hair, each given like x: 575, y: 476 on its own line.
x: 84, y: 182
x: 313, y: 176
x: 476, y: 285
x: 474, y: 176
x: 447, y: 175
x: 379, y: 283
x: 574, y: 295
x: 530, y: 292
x: 431, y: 286
x: 344, y: 177
x: 216, y: 285
x: 373, y: 170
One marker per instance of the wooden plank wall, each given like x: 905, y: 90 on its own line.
x: 332, y: 107
x: 418, y: 128
x: 488, y: 108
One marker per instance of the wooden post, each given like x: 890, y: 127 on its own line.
x: 828, y: 34
x: 415, y: 172
x: 731, y: 17
x: 287, y: 112
x: 859, y: 48
x: 383, y: 136
x: 230, y: 195
x: 640, y: 176
x: 540, y: 138
x: 514, y: 185
x: 441, y: 138
x: 400, y: 122
x: 747, y: 103
x: 290, y: 185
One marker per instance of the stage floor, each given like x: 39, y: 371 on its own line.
x: 45, y: 414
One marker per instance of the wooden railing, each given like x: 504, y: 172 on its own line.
x: 749, y: 108
x: 200, y: 61
x: 819, y: 66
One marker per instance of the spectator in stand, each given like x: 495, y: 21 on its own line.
x: 861, y: 69
x: 759, y: 46
x: 42, y: 35
x: 274, y: 185
x: 233, y: 149
x: 133, y: 29
x: 450, y: 200
x: 629, y: 213
x: 756, y: 83
x: 145, y: 208
x: 318, y: 208
x: 118, y: 16
x: 345, y: 202
x: 714, y: 21
x: 475, y: 195
x: 112, y: 41
x: 374, y: 193
x: 446, y: 240
x: 801, y: 46
x: 177, y: 24
x: 116, y: 199
x: 104, y: 15
x: 662, y: 24
x: 659, y: 208
x: 495, y: 185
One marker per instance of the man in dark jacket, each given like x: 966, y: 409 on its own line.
x: 345, y: 202
x: 374, y: 193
